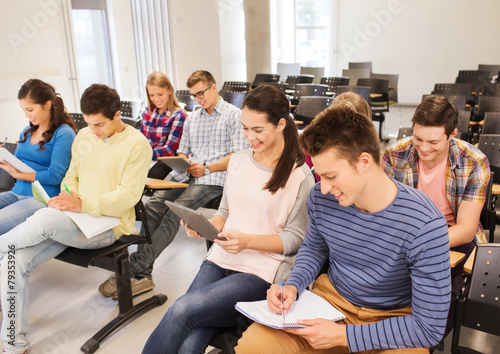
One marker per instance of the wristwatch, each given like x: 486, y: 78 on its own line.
x: 207, y: 170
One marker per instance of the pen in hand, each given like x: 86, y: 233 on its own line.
x: 282, y: 302
x: 5, y: 142
x: 67, y: 190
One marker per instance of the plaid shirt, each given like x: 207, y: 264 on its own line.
x: 467, y: 172
x: 209, y: 138
x: 163, y: 131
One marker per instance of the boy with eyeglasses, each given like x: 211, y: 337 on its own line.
x: 211, y: 135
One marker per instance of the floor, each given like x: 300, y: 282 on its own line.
x: 66, y: 308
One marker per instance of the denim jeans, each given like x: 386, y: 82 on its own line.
x: 190, y: 323
x: 43, y: 236
x: 15, y: 209
x: 163, y: 224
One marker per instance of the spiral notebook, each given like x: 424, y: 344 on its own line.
x: 307, y: 307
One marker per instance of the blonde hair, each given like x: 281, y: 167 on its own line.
x: 161, y: 80
x: 354, y: 101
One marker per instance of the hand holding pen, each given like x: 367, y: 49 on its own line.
x: 281, y: 297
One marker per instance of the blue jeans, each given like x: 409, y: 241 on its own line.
x: 190, y: 323
x: 163, y: 224
x: 43, y: 236
x: 15, y: 209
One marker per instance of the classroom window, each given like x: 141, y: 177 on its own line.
x: 302, y: 33
x: 312, y: 32
x: 92, y: 44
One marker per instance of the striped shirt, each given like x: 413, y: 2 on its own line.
x: 163, y: 130
x: 208, y: 138
x: 390, y: 259
x: 467, y: 172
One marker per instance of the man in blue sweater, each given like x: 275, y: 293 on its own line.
x: 386, y: 244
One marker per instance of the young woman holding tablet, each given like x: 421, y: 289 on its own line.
x: 263, y: 216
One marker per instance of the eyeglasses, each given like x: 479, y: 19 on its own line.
x: 201, y: 94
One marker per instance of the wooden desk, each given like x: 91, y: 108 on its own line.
x: 470, y: 261
x: 153, y: 183
x: 376, y: 95
x: 456, y: 257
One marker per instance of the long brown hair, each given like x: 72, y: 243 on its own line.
x: 40, y: 93
x: 269, y: 99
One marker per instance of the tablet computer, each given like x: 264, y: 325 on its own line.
x: 177, y: 163
x: 195, y: 220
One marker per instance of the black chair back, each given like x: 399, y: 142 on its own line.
x: 131, y: 109
x: 404, y: 132
x: 293, y: 80
x: 492, y: 69
x: 477, y: 82
x: 363, y: 91
x: 477, y: 305
x: 491, y: 123
x: 235, y: 86
x: 489, y: 144
x: 6, y: 180
x: 264, y: 78
x: 453, y: 89
x: 136, y: 123
x: 281, y: 85
x: 310, y: 106
x: 483, y: 308
x: 308, y: 90
x: 78, y: 119
x: 184, y: 96
x: 235, y: 98
x: 486, y: 104
x: 333, y: 82
x: 463, y: 125
x: 378, y: 86
x: 491, y: 90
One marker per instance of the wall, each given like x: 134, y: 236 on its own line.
x: 232, y: 40
x: 424, y: 41
x: 258, y: 39
x: 195, y: 38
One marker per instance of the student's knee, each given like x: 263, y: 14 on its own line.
x: 259, y: 339
x: 181, y: 310
x: 44, y: 216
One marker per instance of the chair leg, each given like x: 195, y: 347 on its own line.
x: 127, y: 310
x: 380, y: 119
x: 91, y: 345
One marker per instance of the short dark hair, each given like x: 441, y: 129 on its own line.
x: 437, y: 111
x: 340, y: 127
x: 100, y: 98
x: 200, y: 75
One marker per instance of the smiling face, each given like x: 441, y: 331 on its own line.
x: 431, y: 143
x: 159, y: 97
x: 37, y: 114
x: 262, y: 135
x: 208, y: 92
x: 339, y: 177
